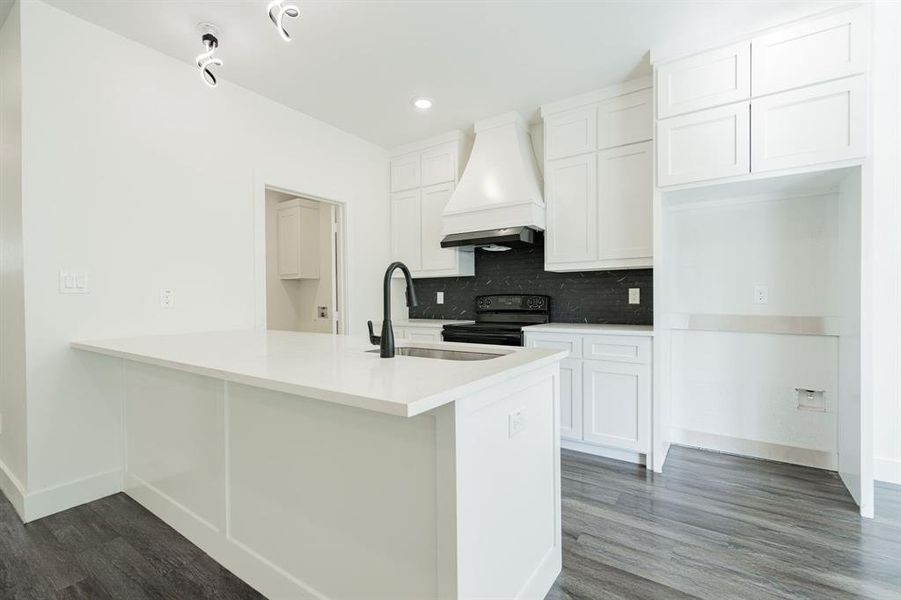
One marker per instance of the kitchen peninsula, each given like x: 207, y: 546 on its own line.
x: 312, y: 468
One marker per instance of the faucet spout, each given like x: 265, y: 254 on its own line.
x: 386, y: 340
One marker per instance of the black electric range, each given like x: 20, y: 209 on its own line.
x: 500, y: 319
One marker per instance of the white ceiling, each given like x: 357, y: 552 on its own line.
x: 357, y: 64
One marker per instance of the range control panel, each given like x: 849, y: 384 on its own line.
x: 515, y: 302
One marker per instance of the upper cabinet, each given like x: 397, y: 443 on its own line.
x: 423, y: 178
x: 811, y: 52
x: 791, y: 98
x: 298, y: 239
x: 598, y: 179
x: 705, y: 80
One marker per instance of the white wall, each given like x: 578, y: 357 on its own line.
x: 142, y: 176
x: 887, y: 239
x: 12, y: 308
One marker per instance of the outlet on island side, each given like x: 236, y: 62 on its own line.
x: 634, y: 295
x: 439, y: 297
x: 517, y: 421
x: 167, y: 298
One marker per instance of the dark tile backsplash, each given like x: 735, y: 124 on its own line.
x: 582, y: 297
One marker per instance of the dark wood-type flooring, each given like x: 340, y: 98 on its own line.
x: 713, y: 526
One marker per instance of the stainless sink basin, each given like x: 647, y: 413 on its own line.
x: 441, y: 354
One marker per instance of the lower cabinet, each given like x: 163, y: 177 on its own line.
x: 417, y: 334
x: 605, y: 391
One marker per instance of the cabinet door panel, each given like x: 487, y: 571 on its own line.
x: 559, y: 341
x: 406, y: 232
x: 705, y: 80
x: 405, y: 172
x: 812, y: 52
x: 570, y: 133
x: 434, y: 257
x: 625, y: 119
x: 288, y: 242
x: 706, y: 145
x: 625, y: 202
x: 439, y: 164
x: 571, y: 196
x: 424, y: 334
x: 617, y: 398
x: 571, y: 399
x: 818, y: 124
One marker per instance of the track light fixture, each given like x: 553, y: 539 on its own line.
x: 278, y: 10
x: 206, y: 59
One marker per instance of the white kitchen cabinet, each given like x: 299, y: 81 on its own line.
x: 570, y: 187
x: 420, y: 334
x: 617, y: 397
x: 625, y: 206
x: 705, y: 145
x: 625, y: 119
x: 705, y: 80
x: 810, y: 52
x: 439, y: 164
x: 570, y: 133
x: 599, y: 196
x: 605, y: 390
x: 405, y: 172
x: 406, y: 244
x: 817, y: 124
x: 430, y: 170
x: 298, y: 239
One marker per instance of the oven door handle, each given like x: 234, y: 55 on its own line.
x: 483, y: 338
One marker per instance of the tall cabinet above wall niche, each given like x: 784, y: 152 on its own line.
x: 785, y: 99
x: 598, y: 179
x: 422, y: 179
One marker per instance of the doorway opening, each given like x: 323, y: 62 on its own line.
x: 304, y: 270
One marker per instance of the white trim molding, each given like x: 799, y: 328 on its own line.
x: 13, y: 489
x: 887, y: 469
x: 47, y: 501
x: 807, y: 457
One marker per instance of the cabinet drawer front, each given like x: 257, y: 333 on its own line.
x: 571, y: 195
x: 812, y: 52
x: 625, y: 119
x: 818, y: 124
x: 571, y: 399
x: 405, y: 172
x: 439, y: 164
x: 705, y: 80
x: 620, y: 348
x: 570, y: 133
x: 558, y: 341
x: 423, y: 334
x: 706, y: 145
x: 617, y: 405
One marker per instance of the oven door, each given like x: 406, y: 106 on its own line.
x: 500, y: 338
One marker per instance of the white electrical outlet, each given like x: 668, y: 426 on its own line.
x: 634, y: 295
x: 73, y: 282
x: 167, y: 298
x: 322, y: 312
x: 761, y: 294
x: 517, y: 421
x: 439, y: 297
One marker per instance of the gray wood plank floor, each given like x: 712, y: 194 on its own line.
x: 712, y: 526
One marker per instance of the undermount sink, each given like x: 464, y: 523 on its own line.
x: 441, y: 354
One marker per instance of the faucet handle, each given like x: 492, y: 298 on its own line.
x: 374, y: 339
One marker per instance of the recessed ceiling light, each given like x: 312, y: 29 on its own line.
x: 422, y: 103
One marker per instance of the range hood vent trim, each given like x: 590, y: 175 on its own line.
x: 510, y: 236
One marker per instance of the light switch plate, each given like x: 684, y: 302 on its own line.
x: 439, y: 297
x: 634, y: 295
x: 74, y: 282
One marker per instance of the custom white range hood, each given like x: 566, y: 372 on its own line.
x: 498, y: 200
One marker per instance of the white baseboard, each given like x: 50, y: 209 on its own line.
x: 887, y: 470
x: 603, y: 451
x: 47, y: 501
x: 788, y: 454
x: 544, y: 576
x: 13, y: 489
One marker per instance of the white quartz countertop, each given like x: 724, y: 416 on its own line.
x: 591, y: 328
x: 332, y: 368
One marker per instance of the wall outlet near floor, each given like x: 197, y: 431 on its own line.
x: 814, y: 400
x: 634, y: 295
x: 761, y: 294
x: 322, y: 312
x: 167, y: 298
x: 439, y: 297
x: 517, y: 421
